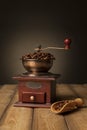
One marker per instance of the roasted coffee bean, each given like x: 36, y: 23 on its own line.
x: 39, y: 55
x: 61, y: 104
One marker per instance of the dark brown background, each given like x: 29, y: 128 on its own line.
x: 25, y: 25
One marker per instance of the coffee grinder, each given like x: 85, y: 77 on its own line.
x: 37, y: 86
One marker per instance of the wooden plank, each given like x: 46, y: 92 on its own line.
x: 80, y: 90
x: 5, y: 98
x: 2, y: 109
x: 77, y: 120
x: 8, y: 88
x: 63, y: 91
x: 20, y: 118
x: 6, y: 95
x: 17, y: 118
x: 44, y: 119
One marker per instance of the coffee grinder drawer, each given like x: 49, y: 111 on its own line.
x: 31, y: 97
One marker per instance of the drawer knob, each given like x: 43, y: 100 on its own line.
x: 32, y: 98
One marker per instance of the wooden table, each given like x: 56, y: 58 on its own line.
x: 20, y: 118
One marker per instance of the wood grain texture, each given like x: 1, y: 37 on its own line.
x: 16, y: 118
x: 8, y: 88
x: 80, y: 90
x: 63, y: 91
x: 77, y: 120
x: 6, y: 94
x: 44, y: 119
x: 22, y: 118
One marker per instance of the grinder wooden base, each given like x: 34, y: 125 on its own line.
x: 36, y: 91
x: 20, y: 104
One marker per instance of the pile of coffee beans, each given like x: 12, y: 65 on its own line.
x: 61, y: 104
x: 39, y: 55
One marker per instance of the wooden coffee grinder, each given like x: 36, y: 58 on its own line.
x: 37, y: 86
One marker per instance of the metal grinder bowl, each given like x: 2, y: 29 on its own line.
x: 36, y: 66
